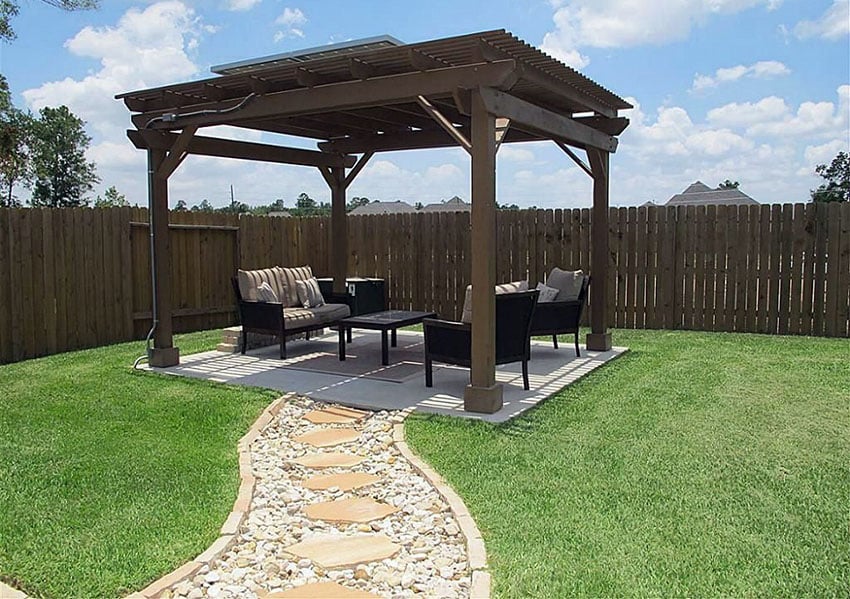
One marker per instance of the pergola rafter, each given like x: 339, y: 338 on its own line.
x: 476, y: 91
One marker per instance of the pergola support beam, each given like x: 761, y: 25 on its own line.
x: 547, y: 122
x: 599, y: 339
x: 574, y: 157
x: 445, y: 123
x: 339, y: 229
x: 177, y: 153
x: 245, y: 150
x: 483, y: 394
x: 163, y: 353
x: 346, y: 95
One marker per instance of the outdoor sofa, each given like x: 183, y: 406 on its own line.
x: 451, y: 342
x: 276, y: 308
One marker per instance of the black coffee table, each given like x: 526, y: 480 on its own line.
x: 386, y: 321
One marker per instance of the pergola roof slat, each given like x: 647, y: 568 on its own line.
x: 544, y: 81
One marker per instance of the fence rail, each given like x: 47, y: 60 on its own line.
x: 74, y: 278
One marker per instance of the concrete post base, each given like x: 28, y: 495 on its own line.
x: 162, y: 357
x: 487, y: 400
x: 599, y: 341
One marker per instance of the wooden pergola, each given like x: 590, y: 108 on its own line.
x: 475, y: 91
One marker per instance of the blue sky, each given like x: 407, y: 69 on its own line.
x: 756, y: 91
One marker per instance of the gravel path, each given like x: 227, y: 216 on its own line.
x: 429, y: 554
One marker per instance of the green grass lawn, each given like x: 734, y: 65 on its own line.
x: 110, y: 478
x: 698, y: 464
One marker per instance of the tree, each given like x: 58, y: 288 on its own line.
x: 15, y: 132
x: 305, y: 202
x: 9, y: 9
x: 61, y: 174
x: 181, y: 206
x: 111, y: 199
x: 837, y: 175
x: 727, y: 184
x: 356, y: 202
x: 204, y: 206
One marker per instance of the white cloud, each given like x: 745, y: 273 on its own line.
x: 387, y: 181
x: 145, y: 48
x: 759, y: 70
x: 293, y: 21
x: 242, y: 5
x: 832, y: 25
x: 624, y: 23
x: 746, y: 114
x: 515, y: 153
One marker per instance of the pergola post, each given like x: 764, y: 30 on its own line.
x: 163, y: 352
x: 339, y: 229
x: 599, y: 339
x: 483, y: 394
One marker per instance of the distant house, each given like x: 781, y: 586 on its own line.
x: 453, y: 205
x: 700, y: 194
x: 280, y: 213
x: 397, y: 207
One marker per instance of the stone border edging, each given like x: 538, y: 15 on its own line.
x: 8, y: 592
x: 476, y: 552
x: 231, y: 525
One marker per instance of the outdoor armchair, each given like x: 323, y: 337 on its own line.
x: 451, y: 342
x: 560, y: 317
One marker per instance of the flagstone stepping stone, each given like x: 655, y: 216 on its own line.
x: 329, y: 460
x: 344, y: 482
x: 354, y: 509
x: 332, y: 550
x: 327, y: 437
x: 320, y: 590
x: 335, y: 415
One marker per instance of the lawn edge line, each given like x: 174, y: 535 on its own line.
x: 234, y: 519
x: 476, y: 551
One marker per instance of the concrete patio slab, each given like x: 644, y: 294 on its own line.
x: 362, y: 382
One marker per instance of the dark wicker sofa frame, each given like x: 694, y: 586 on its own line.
x: 451, y: 342
x: 266, y: 318
x: 560, y: 318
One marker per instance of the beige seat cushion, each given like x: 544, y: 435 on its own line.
x: 286, y: 280
x: 567, y: 282
x: 249, y: 280
x: 299, y: 317
x: 308, y: 317
x: 331, y: 312
x: 515, y: 286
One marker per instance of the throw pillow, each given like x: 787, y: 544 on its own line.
x: 568, y: 283
x: 547, y: 294
x: 309, y: 293
x: 265, y: 293
x: 316, y: 298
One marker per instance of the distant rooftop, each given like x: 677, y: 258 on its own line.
x: 396, y: 207
x: 453, y: 205
x: 700, y: 194
x: 307, y: 54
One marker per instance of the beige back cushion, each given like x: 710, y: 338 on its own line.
x: 567, y: 282
x: 249, y: 280
x: 289, y: 292
x: 513, y: 287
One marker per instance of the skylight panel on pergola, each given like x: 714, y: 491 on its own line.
x: 307, y: 54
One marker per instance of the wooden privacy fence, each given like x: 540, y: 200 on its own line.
x: 73, y: 278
